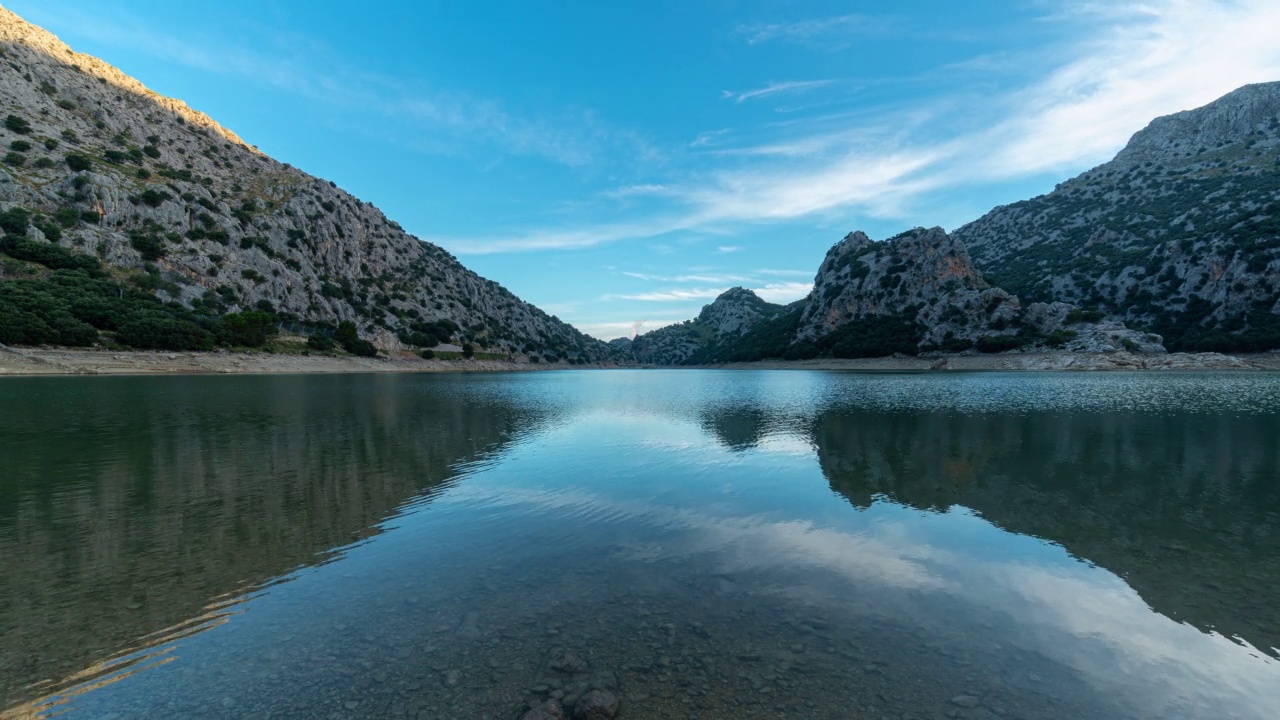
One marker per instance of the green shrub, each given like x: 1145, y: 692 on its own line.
x: 956, y: 345
x: 19, y: 327
x: 361, y: 348
x: 468, y: 350
x: 346, y: 332
x: 1090, y: 315
x: 999, y: 343
x: 872, y: 336
x: 320, y: 341
x: 151, y: 151
x: 428, y: 354
x: 20, y: 145
x: 247, y: 329
x: 143, y: 174
x: 50, y: 144
x: 150, y: 246
x: 18, y: 125
x: 15, y: 159
x: 159, y: 331
x: 115, y: 157
x: 50, y: 229
x: 78, y: 162
x: 153, y: 198
x: 90, y: 216
x: 67, y: 217
x: 43, y: 163
x: 1058, y: 338
x: 14, y: 221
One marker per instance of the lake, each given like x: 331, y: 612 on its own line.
x: 690, y: 543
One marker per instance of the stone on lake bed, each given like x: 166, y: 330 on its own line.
x: 965, y: 701
x: 549, y: 710
x: 567, y: 661
x: 596, y: 705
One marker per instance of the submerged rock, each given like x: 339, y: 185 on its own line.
x: 549, y: 710
x: 596, y: 705
x: 567, y: 661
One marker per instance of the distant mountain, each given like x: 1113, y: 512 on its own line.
x: 719, y: 326
x: 110, y: 180
x: 918, y: 292
x: 1180, y: 233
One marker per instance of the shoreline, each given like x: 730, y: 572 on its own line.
x: 47, y: 361
x: 1055, y: 361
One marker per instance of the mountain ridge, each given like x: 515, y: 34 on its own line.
x: 171, y: 203
x: 1176, y: 239
x: 1179, y: 233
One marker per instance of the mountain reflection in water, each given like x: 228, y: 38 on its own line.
x: 1018, y: 545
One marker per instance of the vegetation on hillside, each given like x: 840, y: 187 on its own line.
x: 51, y: 295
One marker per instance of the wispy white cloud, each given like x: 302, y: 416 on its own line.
x: 1154, y: 59
x: 629, y: 328
x: 710, y: 137
x: 786, y: 273
x: 836, y: 29
x: 778, y: 292
x: 671, y: 295
x: 702, y: 278
x: 784, y: 292
x: 774, y: 88
x: 629, y: 191
x: 726, y: 249
x: 1128, y: 64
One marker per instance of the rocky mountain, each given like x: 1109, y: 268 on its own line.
x: 720, y: 324
x: 918, y: 292
x: 1174, y: 242
x: 1179, y: 234
x: 108, y: 179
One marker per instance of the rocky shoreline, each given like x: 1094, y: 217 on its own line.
x: 1073, y: 361
x: 26, y: 361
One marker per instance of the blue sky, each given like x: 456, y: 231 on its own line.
x: 621, y: 164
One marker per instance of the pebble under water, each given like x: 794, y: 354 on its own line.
x: 641, y: 544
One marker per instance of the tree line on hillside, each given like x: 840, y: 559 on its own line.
x: 52, y: 295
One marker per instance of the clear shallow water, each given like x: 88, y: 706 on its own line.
x: 705, y: 544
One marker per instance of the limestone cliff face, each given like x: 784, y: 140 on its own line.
x: 926, y: 280
x: 922, y: 276
x: 1179, y: 233
x: 223, y: 224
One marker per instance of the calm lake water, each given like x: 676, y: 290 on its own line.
x: 698, y: 544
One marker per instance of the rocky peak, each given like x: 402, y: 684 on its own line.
x: 1245, y: 115
x: 915, y: 272
x: 735, y: 311
x: 15, y: 31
